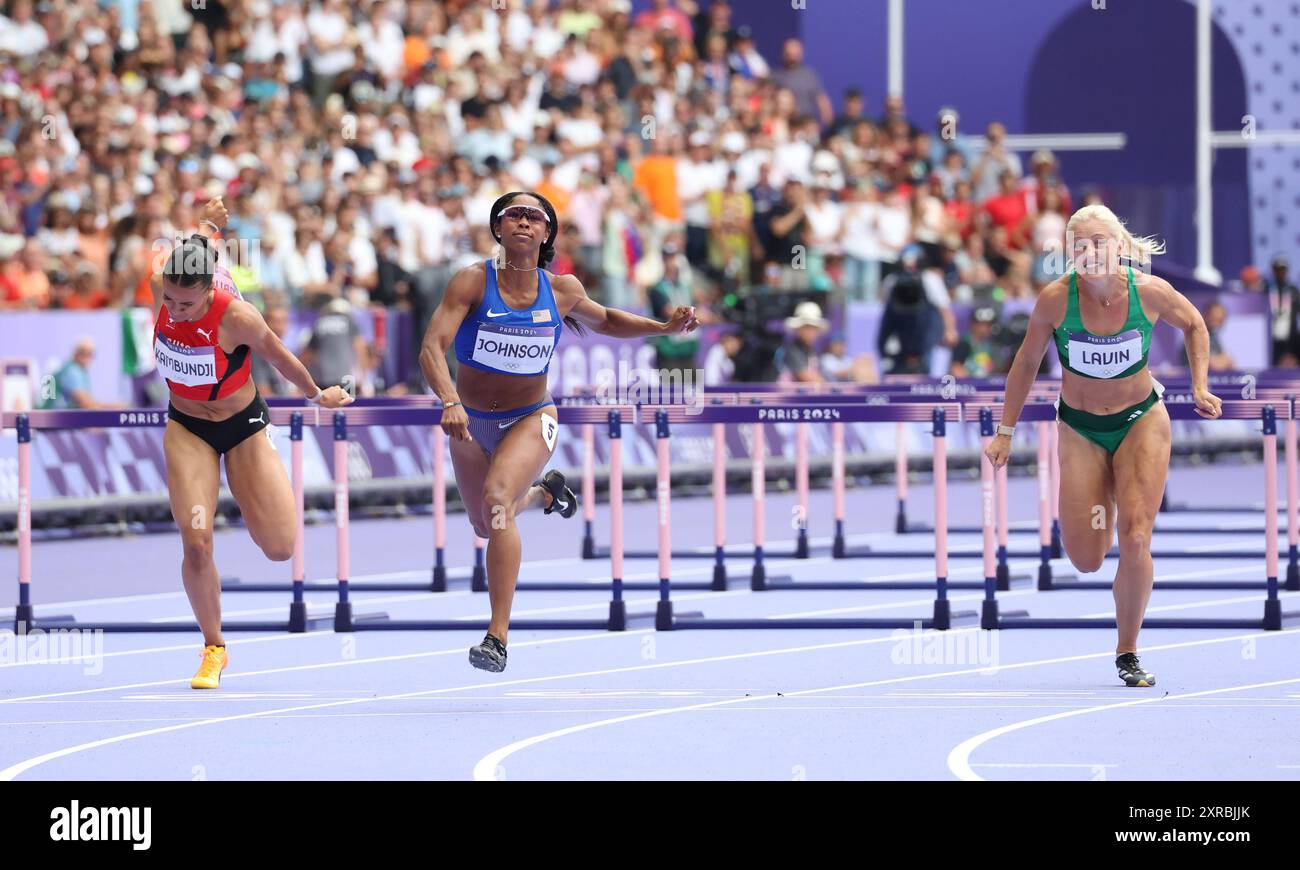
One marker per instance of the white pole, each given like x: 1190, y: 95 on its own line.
x: 895, y: 48
x: 1205, y: 270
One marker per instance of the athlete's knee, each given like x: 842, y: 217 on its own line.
x: 498, y: 505
x: 1135, y: 537
x: 198, y: 549
x: 1087, y: 562
x: 278, y: 551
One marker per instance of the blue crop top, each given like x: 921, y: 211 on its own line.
x: 510, y: 341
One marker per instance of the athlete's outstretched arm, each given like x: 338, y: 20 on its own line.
x: 243, y: 324
x: 460, y: 296
x: 1182, y: 314
x: 616, y: 322
x: 1024, y: 368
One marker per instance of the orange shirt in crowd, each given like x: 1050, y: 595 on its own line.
x: 656, y: 177
x: 415, y: 52
x: 94, y: 299
x: 30, y: 289
x: 556, y: 195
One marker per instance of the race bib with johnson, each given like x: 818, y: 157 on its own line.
x: 516, y: 350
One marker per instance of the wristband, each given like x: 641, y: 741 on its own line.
x: 1006, y: 430
x: 316, y: 398
x: 447, y: 405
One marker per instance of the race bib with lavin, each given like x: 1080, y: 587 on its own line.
x: 1104, y: 356
x: 191, y: 366
x: 516, y: 350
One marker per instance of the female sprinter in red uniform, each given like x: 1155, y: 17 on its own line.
x: 203, y: 335
x: 505, y: 317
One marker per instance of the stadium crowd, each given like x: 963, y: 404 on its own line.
x: 358, y: 147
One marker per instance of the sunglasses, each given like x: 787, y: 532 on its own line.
x: 520, y: 212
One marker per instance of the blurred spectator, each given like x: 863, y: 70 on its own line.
x: 910, y: 324
x: 838, y: 365
x: 336, y: 352
x: 862, y: 252
x: 787, y: 251
x: 86, y: 291
x: 744, y: 57
x: 69, y: 386
x: 673, y: 352
x: 988, y: 169
x: 855, y: 110
x: 803, y: 81
x: 1216, y: 315
x: 664, y: 15
x: 978, y: 354
x: 1284, y: 302
x: 731, y: 233
x: 798, y: 359
x: 265, y: 376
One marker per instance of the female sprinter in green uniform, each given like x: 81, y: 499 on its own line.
x: 1114, y: 431
x: 504, y: 317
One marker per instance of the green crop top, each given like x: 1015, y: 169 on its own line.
x: 1118, y: 355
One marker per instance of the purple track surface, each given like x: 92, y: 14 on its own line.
x: 811, y: 704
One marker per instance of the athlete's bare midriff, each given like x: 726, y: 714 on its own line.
x: 1093, y: 396
x: 489, y: 391
x: 217, y: 409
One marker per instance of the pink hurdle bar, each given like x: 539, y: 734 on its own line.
x: 588, y: 490
x: 1272, y: 604
x: 837, y: 488
x: 342, y: 609
x: 1292, y: 529
x: 298, y: 607
x: 758, y: 484
x: 1055, y: 457
x: 801, y: 486
x: 1045, y: 503
x: 719, y: 507
x: 1000, y: 485
x: 615, y: 509
x: 942, y: 614
x: 987, y: 515
x: 900, y: 476
x: 23, y: 613
x: 438, y: 440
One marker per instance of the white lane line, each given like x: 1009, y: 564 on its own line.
x: 460, y: 650
x: 959, y: 757
x: 1047, y: 764
x: 15, y: 770
x: 487, y: 766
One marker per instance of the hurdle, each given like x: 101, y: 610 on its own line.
x: 25, y: 619
x: 720, y: 551
x: 344, y: 618
x: 833, y: 414
x: 1273, y: 616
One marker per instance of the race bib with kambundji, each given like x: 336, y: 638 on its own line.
x: 192, y: 366
x: 1104, y: 356
x: 516, y: 350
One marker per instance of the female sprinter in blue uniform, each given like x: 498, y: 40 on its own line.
x: 504, y: 317
x: 203, y: 335
x: 1114, y: 431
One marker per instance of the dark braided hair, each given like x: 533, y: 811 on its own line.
x: 547, y: 251
x: 192, y: 263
